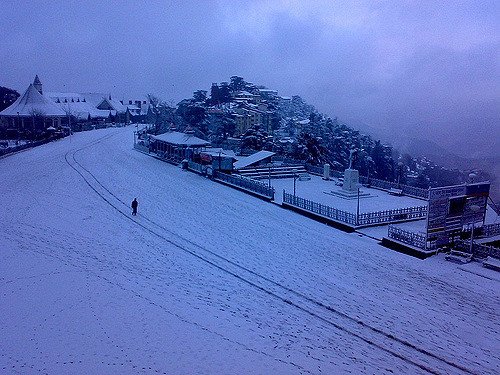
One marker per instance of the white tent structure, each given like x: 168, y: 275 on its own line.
x: 33, y: 111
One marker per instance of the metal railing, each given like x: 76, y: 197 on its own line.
x: 363, y: 219
x: 490, y: 230
x: 196, y: 167
x: 388, y: 216
x: 141, y: 147
x: 478, y: 251
x: 245, y: 183
x: 320, y: 209
x: 10, y: 150
x: 387, y: 185
x: 407, y: 237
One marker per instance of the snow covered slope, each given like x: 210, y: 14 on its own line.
x: 208, y: 280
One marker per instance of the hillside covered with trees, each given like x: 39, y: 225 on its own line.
x: 243, y: 116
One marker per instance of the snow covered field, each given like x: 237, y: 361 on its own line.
x: 208, y: 280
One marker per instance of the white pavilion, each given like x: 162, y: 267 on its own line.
x: 33, y: 111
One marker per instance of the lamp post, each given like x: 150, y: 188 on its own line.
x: 269, y: 177
x: 294, y: 182
x: 475, y: 209
x: 357, y: 208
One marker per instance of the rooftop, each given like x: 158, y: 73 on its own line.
x: 30, y: 103
x: 181, y: 139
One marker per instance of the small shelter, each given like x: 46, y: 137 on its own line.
x: 176, y: 145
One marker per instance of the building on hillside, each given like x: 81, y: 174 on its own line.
x: 248, y: 115
x: 231, y: 143
x: 245, y: 96
x: 285, y: 103
x: 267, y: 94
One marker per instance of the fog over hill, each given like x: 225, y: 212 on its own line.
x: 470, y: 149
x: 426, y: 69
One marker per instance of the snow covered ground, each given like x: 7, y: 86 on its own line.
x: 319, y: 190
x: 209, y: 280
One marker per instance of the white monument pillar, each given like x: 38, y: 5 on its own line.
x: 326, y: 172
x: 351, y: 176
x: 351, y: 180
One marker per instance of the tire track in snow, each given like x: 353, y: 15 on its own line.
x: 387, y: 342
x: 73, y: 152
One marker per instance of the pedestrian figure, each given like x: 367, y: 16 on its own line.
x: 134, y: 206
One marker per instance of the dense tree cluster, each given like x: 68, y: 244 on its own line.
x: 7, y: 97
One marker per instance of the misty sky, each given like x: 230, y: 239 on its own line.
x: 424, y: 68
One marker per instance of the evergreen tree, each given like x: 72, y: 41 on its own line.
x: 7, y: 97
x: 237, y: 84
x: 200, y: 96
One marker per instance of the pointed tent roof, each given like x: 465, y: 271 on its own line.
x: 37, y: 80
x: 32, y: 102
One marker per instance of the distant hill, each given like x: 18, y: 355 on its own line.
x: 484, y: 157
x: 319, y: 139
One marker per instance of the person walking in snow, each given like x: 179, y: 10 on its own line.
x: 134, y: 206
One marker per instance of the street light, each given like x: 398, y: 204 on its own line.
x: 475, y: 209
x: 357, y: 208
x: 295, y: 176
x: 269, y: 179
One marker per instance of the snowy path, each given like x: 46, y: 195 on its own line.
x: 209, y: 280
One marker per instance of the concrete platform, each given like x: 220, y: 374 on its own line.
x: 404, y: 248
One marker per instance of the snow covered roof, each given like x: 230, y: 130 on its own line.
x: 62, y: 97
x: 82, y: 110
x: 244, y: 93
x: 252, y: 159
x: 181, y: 139
x: 215, y: 151
x: 32, y: 102
x: 81, y: 105
x: 113, y: 104
x: 94, y: 97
